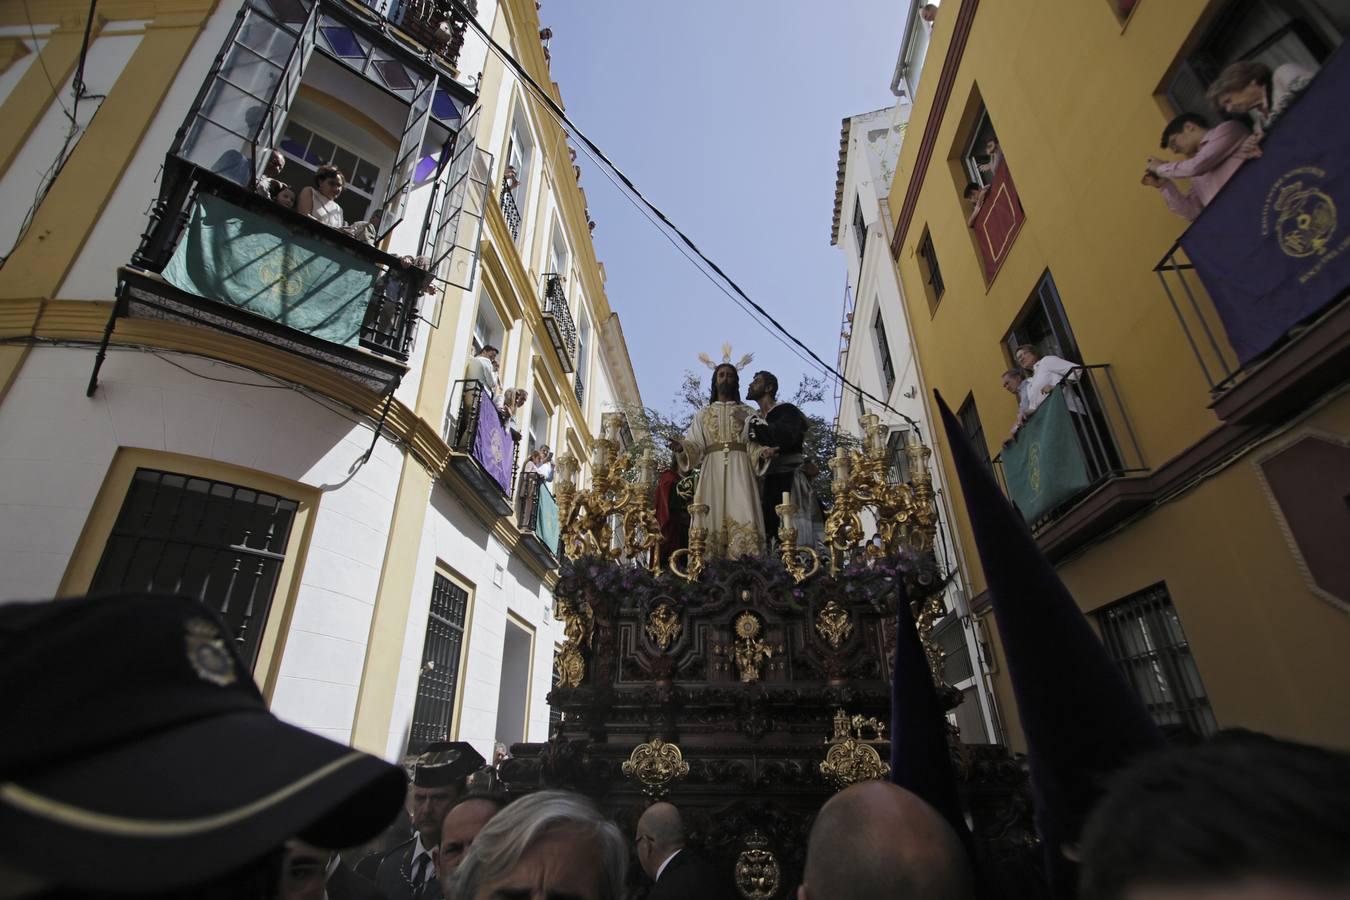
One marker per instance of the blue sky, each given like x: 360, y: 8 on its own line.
x: 726, y: 114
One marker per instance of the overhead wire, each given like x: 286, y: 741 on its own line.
x: 48, y: 178
x: 666, y: 225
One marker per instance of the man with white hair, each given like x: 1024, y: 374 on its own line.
x: 547, y: 844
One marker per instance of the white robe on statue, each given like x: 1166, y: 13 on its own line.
x: 718, y: 443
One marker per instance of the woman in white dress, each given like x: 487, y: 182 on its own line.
x: 320, y: 202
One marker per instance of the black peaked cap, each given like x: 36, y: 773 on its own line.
x: 138, y: 756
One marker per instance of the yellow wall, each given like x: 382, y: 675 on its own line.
x: 1075, y: 101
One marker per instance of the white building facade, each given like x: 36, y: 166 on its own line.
x: 876, y: 354
x: 330, y: 493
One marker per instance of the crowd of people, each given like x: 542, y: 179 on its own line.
x: 1250, y: 96
x: 170, y: 778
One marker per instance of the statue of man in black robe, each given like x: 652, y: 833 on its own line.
x: 783, y: 427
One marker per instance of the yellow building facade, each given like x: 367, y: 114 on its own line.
x: 1191, y: 550
x: 397, y: 555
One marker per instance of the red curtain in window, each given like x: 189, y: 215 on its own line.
x: 998, y: 221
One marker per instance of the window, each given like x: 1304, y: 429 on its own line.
x: 932, y: 272
x: 1144, y: 636
x: 306, y: 150
x: 583, y: 351
x: 1270, y: 31
x: 896, y: 442
x: 948, y: 635
x: 1043, y: 323
x: 221, y: 543
x: 975, y: 159
x: 884, y: 350
x: 519, y: 155
x: 438, y: 684
x: 969, y: 417
x: 513, y: 694
x: 859, y: 228
x: 557, y: 252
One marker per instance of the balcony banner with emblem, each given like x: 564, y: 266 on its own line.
x: 1273, y: 248
x: 1045, y: 466
x: 546, y: 526
x: 262, y: 265
x: 492, y: 444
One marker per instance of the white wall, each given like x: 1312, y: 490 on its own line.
x: 873, y: 145
x: 33, y: 167
x: 56, y: 446
x: 454, y: 540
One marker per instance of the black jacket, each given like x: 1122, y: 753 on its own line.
x: 693, y: 876
x: 392, y: 878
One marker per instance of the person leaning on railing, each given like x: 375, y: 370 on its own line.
x: 1046, y: 373
x: 1016, y: 383
x: 1212, y: 156
x: 1254, y: 90
x: 320, y: 202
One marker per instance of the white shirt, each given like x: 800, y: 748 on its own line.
x: 1048, y: 372
x: 1024, y: 397
x: 663, y: 865
x: 545, y: 471
x: 480, y: 370
x: 420, y: 851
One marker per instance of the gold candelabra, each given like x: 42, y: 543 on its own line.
x: 905, y: 513
x: 801, y: 562
x: 687, y: 562
x: 906, y: 516
x: 613, y: 518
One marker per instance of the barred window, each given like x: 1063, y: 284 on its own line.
x: 933, y: 273
x: 1143, y: 635
x: 439, y: 682
x: 221, y: 543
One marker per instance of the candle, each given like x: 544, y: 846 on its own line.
x: 787, y: 497
x: 840, y: 452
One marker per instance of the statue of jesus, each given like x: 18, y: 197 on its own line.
x: 718, y: 443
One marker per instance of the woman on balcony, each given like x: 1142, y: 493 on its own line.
x: 320, y: 202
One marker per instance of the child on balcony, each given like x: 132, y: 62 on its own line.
x: 320, y: 202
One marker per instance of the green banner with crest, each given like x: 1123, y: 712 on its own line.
x: 262, y: 265
x: 1045, y: 465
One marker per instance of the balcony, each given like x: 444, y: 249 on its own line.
x: 483, y: 452
x: 537, y: 516
x: 434, y: 24
x: 558, y: 321
x: 220, y: 255
x: 510, y: 211
x: 579, y: 388
x: 241, y: 264
x: 1260, y: 282
x: 1078, y: 442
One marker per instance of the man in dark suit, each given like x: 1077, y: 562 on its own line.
x: 408, y: 872
x: 679, y: 872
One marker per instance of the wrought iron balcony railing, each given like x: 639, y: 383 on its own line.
x: 537, y: 516
x: 1078, y: 439
x: 1260, y: 281
x: 483, y: 446
x: 435, y: 24
x: 558, y: 321
x: 510, y: 211
x: 220, y: 256
x: 579, y: 388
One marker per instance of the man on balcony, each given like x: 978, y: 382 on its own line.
x: 482, y: 368
x: 1046, y: 373
x: 1212, y: 156
x: 1015, y: 382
